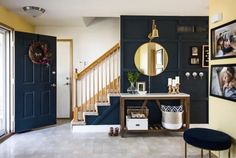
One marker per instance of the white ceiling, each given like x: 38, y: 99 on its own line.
x: 71, y: 12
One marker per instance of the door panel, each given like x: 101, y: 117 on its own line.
x: 45, y: 103
x: 29, y: 106
x: 28, y: 70
x: 35, y: 97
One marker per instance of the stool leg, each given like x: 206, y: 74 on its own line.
x: 185, y: 150
x: 201, y: 153
x: 209, y: 153
x: 229, y: 153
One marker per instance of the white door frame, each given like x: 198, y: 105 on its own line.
x: 10, y: 79
x: 71, y: 69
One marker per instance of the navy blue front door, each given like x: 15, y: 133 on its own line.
x: 35, y: 97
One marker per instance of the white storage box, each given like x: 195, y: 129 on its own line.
x: 136, y: 124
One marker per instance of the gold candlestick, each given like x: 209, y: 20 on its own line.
x: 177, y: 88
x: 169, y: 89
x: 173, y: 90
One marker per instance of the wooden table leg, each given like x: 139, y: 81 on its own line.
x: 187, y: 105
x: 183, y: 114
x: 144, y: 104
x: 158, y: 103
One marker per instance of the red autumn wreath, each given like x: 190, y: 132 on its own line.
x: 39, y: 54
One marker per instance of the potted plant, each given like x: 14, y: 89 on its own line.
x: 132, y: 77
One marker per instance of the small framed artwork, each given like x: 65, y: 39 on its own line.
x: 223, y: 41
x: 141, y: 86
x: 205, y: 56
x: 194, y: 60
x: 223, y: 81
x: 194, y: 51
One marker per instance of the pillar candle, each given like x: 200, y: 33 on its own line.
x: 173, y: 83
x: 169, y: 81
x: 177, y: 79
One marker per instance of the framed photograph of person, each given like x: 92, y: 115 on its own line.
x: 205, y: 56
x: 223, y: 41
x: 223, y: 81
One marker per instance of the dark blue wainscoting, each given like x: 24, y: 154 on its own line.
x: 107, y: 114
x: 178, y: 43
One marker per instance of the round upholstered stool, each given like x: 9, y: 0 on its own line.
x: 207, y: 139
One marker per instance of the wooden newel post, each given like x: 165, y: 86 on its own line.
x: 76, y: 109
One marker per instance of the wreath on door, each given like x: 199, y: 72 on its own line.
x: 39, y: 53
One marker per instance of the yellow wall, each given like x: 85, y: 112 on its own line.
x: 222, y: 113
x: 14, y: 21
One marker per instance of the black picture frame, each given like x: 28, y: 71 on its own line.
x: 218, y: 87
x: 205, y: 55
x: 223, y: 41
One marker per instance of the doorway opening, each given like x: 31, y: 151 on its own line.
x: 64, y: 78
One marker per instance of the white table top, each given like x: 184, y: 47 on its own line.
x: 150, y: 95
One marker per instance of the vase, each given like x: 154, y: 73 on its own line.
x: 132, y: 89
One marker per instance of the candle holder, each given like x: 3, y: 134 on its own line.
x: 177, y: 88
x: 169, y: 89
x: 173, y: 85
x: 173, y: 90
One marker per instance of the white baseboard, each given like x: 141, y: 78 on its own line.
x: 199, y: 125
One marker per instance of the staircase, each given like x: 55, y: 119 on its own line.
x: 96, y: 90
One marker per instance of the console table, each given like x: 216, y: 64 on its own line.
x: 184, y: 100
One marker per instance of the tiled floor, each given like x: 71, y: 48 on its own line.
x: 59, y: 142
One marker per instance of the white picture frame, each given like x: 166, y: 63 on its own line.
x: 141, y: 86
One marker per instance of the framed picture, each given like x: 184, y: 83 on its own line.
x: 194, y: 60
x: 205, y: 56
x: 223, y: 41
x: 141, y: 86
x: 223, y: 81
x: 194, y: 51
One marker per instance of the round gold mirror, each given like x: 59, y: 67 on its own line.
x: 151, y: 59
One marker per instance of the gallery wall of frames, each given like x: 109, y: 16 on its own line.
x: 186, y: 42
x: 223, y: 77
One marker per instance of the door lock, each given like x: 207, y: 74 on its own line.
x: 67, y: 83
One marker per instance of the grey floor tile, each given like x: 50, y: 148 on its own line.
x: 59, y: 142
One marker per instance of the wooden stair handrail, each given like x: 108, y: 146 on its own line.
x: 98, y: 61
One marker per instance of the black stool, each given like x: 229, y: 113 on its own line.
x: 207, y: 139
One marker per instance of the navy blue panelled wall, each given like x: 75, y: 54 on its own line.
x: 178, y: 35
